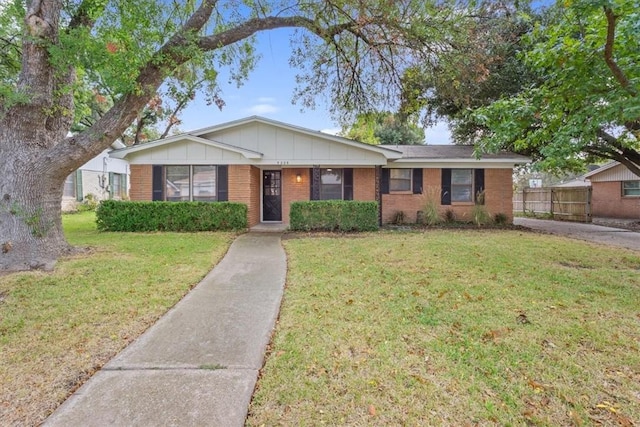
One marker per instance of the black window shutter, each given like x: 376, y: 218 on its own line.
x: 314, y: 183
x: 311, y: 187
x: 223, y: 183
x: 417, y: 181
x: 384, y: 182
x: 478, y: 180
x: 157, y: 183
x: 347, y: 183
x: 446, y: 187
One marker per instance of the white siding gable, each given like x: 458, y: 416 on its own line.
x: 286, y: 146
x: 186, y: 152
x: 615, y: 173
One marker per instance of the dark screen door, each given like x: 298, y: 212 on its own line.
x: 271, y: 196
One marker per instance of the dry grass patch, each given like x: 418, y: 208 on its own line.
x: 454, y: 328
x: 57, y: 329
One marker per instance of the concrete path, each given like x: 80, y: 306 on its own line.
x: 198, y: 365
x: 594, y: 233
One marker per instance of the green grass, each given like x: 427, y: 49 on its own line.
x: 454, y: 328
x: 57, y: 328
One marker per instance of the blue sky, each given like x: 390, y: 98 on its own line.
x: 269, y: 93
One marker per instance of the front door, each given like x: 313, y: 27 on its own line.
x: 271, y: 196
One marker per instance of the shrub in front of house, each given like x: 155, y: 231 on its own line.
x: 118, y: 215
x: 333, y: 215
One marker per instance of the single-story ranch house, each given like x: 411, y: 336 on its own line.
x: 268, y: 164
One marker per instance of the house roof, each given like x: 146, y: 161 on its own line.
x: 453, y: 152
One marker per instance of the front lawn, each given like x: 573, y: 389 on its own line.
x: 56, y: 329
x: 454, y: 328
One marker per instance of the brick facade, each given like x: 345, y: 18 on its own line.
x: 293, y: 191
x: 607, y: 201
x: 498, y: 197
x: 141, y: 182
x: 245, y: 187
x: 364, y: 184
x: 498, y: 191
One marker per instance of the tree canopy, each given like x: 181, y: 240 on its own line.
x: 475, y: 74
x: 585, y: 105
x: 384, y: 128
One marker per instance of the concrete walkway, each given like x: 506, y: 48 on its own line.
x: 594, y: 233
x: 198, y: 365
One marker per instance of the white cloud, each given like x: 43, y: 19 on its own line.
x: 259, y: 109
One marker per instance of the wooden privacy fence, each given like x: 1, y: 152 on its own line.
x: 564, y: 203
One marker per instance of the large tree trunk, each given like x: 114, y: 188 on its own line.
x: 31, y: 235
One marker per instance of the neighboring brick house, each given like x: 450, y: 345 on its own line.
x: 615, y: 192
x: 267, y: 165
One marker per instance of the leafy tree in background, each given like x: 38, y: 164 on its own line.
x: 586, y: 104
x: 475, y: 74
x: 118, y: 54
x: 384, y: 128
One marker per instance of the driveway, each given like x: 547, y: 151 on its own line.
x: 594, y: 233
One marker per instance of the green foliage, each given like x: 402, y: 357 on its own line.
x: 89, y: 204
x: 334, y: 215
x: 430, y: 214
x: 483, y: 68
x: 480, y: 215
x: 109, y: 56
x: 385, y: 128
x: 584, y: 106
x: 117, y: 215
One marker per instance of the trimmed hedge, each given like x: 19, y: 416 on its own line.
x: 117, y: 215
x: 333, y: 215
